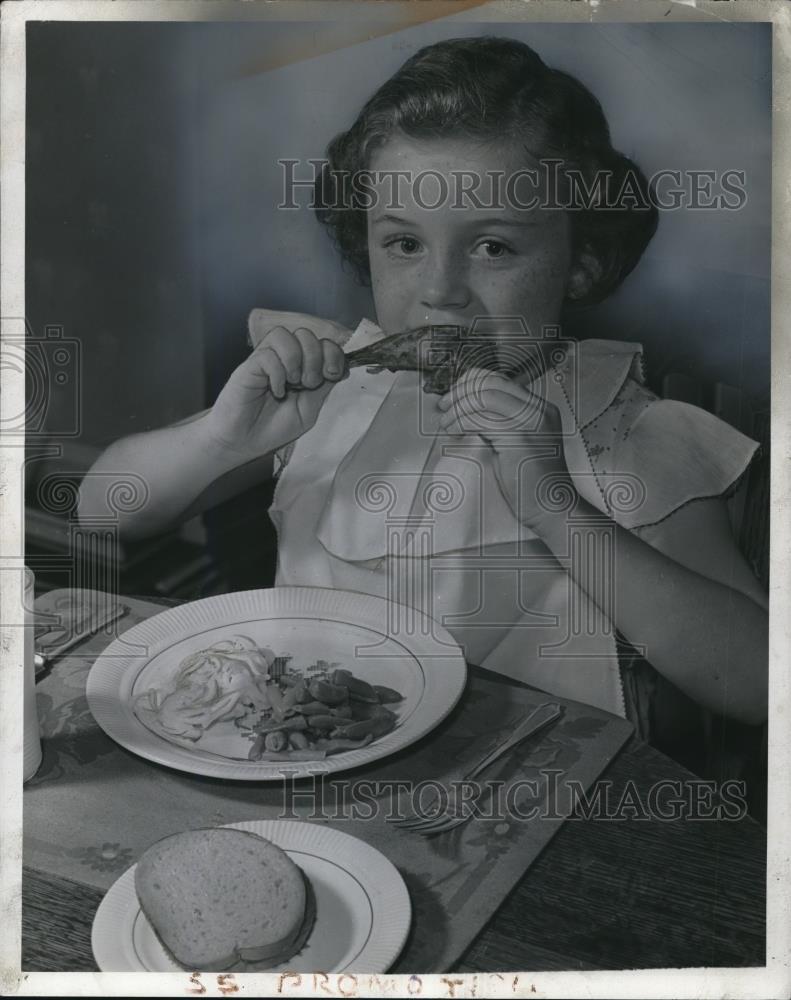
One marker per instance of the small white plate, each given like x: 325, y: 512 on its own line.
x: 363, y: 910
x: 379, y: 641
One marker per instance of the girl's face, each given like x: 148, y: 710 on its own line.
x: 457, y: 263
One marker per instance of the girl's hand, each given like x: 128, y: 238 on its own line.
x: 275, y: 395
x: 523, y: 429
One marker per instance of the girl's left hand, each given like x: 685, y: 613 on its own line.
x: 523, y: 429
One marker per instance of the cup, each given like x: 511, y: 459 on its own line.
x: 31, y: 756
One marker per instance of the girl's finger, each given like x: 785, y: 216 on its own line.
x: 289, y: 350
x: 334, y: 360
x: 493, y: 401
x: 472, y: 387
x: 312, y: 358
x: 452, y: 428
x: 264, y: 359
x: 261, y: 322
x: 476, y: 381
x: 463, y: 406
x: 484, y: 378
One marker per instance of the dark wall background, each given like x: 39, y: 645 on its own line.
x: 111, y: 254
x: 152, y: 183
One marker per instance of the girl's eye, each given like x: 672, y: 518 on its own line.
x: 493, y: 249
x: 406, y: 246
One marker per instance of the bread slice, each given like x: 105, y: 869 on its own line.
x: 218, y: 896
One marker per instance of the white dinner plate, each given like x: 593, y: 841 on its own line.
x: 363, y: 910
x: 380, y: 642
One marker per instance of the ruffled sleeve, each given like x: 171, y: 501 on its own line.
x: 656, y: 455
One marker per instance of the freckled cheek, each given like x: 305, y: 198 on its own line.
x: 534, y: 296
x: 392, y: 296
x: 537, y: 292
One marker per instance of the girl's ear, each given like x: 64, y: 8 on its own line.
x: 585, y: 272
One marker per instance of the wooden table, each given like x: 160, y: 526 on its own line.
x: 605, y: 894
x: 625, y: 893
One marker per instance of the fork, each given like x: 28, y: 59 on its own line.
x: 87, y: 625
x: 540, y: 719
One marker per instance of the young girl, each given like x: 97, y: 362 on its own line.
x: 537, y: 510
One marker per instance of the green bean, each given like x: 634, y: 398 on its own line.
x: 313, y: 708
x: 330, y: 694
x: 387, y: 696
x: 289, y: 701
x: 375, y: 727
x: 354, y: 731
x: 256, y: 748
x: 275, y: 696
x: 339, y: 745
x: 323, y: 722
x: 364, y: 710
x: 362, y: 691
x: 276, y: 742
x: 358, y: 689
x: 311, y: 718
x: 289, y: 725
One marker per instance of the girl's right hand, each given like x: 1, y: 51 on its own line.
x: 276, y: 394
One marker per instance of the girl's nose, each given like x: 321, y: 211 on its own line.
x: 445, y: 285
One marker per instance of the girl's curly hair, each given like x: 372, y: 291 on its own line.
x: 496, y: 88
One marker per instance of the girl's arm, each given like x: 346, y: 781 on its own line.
x: 184, y: 471
x: 695, y: 607
x: 272, y: 398
x: 683, y: 592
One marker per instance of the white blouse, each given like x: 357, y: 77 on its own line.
x: 373, y: 499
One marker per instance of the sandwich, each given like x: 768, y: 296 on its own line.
x: 218, y: 897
